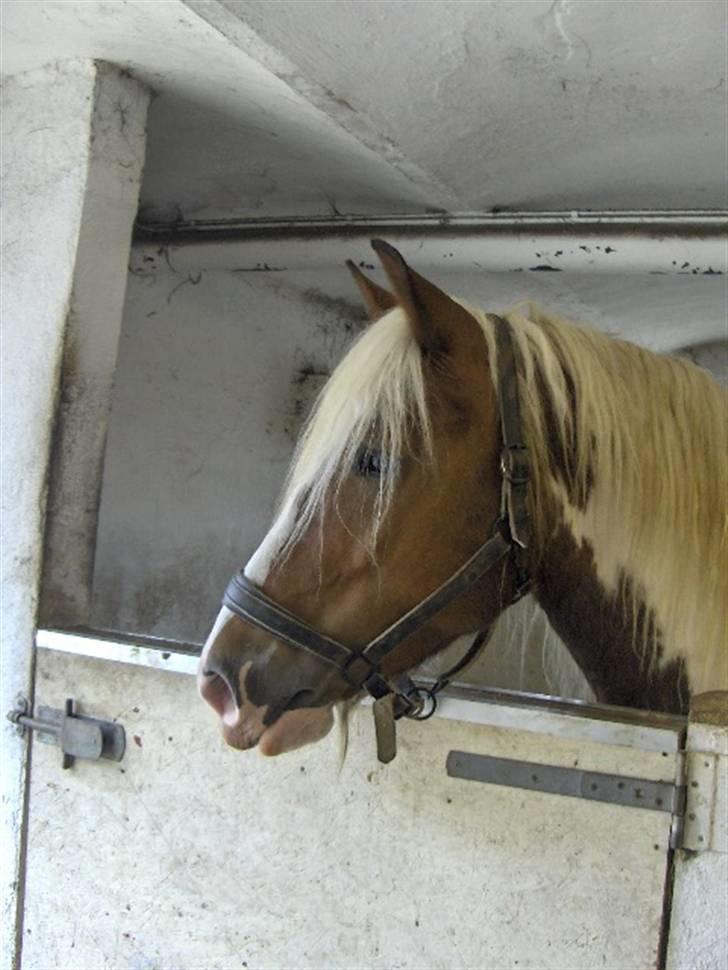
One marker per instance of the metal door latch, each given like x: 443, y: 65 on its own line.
x: 77, y: 735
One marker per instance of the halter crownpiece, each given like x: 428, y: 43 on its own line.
x: 361, y: 667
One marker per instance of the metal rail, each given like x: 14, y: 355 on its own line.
x: 679, y: 221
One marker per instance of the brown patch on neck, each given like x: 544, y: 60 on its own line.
x: 562, y: 454
x: 605, y: 632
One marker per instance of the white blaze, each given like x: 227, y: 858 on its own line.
x: 222, y: 618
x: 260, y: 562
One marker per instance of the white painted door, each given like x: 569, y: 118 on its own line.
x: 190, y: 855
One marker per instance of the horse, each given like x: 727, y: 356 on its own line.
x: 455, y: 460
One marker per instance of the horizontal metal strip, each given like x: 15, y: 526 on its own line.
x: 660, y: 796
x: 674, y: 220
x: 141, y: 652
x: 513, y: 710
x: 682, y: 253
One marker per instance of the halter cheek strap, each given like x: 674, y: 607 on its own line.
x: 361, y: 667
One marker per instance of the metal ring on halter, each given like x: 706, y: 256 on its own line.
x: 420, y: 713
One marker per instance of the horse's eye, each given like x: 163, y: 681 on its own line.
x: 370, y: 463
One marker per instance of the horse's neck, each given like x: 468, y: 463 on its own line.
x: 629, y: 500
x: 609, y: 631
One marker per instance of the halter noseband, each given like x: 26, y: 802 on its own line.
x: 361, y: 668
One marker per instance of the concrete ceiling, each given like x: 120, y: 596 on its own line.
x: 306, y: 107
x: 534, y: 105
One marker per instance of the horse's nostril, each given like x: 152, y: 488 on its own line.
x: 226, y: 670
x: 218, y: 693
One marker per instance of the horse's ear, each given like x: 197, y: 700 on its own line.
x: 435, y: 317
x: 376, y: 299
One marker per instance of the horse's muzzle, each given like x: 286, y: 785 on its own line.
x: 276, y: 727
x: 241, y: 725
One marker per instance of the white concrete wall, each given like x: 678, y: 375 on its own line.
x: 116, y: 161
x: 52, y: 171
x: 45, y: 122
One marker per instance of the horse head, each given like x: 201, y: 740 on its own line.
x: 454, y: 458
x: 395, y: 484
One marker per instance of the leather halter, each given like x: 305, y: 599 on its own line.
x: 361, y: 667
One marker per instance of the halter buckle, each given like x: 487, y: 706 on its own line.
x: 515, y: 465
x: 516, y: 474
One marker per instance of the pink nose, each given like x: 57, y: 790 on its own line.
x: 218, y: 677
x: 219, y: 694
x: 241, y: 723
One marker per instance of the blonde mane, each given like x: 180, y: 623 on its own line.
x: 646, y: 435
x: 375, y: 398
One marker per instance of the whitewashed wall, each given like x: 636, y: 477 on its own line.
x: 66, y: 132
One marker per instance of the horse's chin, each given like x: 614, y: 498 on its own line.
x: 294, y: 729
x: 236, y: 736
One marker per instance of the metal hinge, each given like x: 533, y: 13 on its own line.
x: 660, y: 796
x: 702, y: 827
x: 77, y: 735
